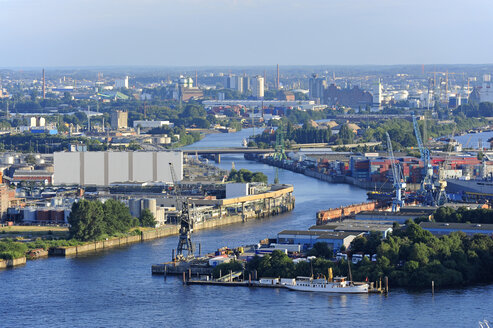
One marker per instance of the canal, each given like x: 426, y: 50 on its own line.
x: 115, y: 288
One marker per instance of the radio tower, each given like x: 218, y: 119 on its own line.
x: 44, y: 84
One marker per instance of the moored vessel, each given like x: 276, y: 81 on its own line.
x: 338, y: 285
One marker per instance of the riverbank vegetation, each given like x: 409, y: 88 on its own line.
x: 93, y: 220
x: 410, y: 257
x: 401, y: 131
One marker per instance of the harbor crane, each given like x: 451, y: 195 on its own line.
x: 427, y: 189
x: 186, y: 223
x: 399, y: 185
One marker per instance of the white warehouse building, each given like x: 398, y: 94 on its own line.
x: 105, y: 168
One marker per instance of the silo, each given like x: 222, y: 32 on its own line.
x: 134, y: 205
x: 150, y: 204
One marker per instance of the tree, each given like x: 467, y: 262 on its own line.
x: 86, y: 220
x: 345, y: 134
x: 92, y: 220
x: 30, y: 159
x: 147, y: 219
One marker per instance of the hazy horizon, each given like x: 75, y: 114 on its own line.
x: 249, y: 33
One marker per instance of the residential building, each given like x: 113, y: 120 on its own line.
x: 257, y: 85
x: 121, y: 83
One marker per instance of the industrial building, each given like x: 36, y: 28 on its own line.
x: 151, y: 124
x: 119, y: 120
x: 399, y: 217
x: 444, y: 228
x: 309, y: 238
x: 356, y: 226
x: 105, y: 168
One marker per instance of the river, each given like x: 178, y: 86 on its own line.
x: 472, y: 140
x: 116, y: 289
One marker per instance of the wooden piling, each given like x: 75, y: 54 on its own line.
x: 189, y: 274
x: 432, y: 288
x: 386, y: 284
x: 184, y: 278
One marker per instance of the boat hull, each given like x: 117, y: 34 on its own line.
x: 358, y: 289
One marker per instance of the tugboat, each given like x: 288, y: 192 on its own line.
x: 338, y: 285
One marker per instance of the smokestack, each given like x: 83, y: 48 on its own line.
x: 44, y: 84
x: 277, y: 82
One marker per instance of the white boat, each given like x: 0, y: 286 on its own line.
x: 338, y: 285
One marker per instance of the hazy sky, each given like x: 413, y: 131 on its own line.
x: 244, y: 32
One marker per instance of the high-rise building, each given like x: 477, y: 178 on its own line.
x: 239, y: 84
x: 258, y: 86
x: 377, y: 93
x: 121, y: 83
x: 486, y: 91
x: 246, y: 83
x: 119, y: 120
x: 317, y: 85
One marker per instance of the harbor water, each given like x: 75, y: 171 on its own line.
x: 115, y: 288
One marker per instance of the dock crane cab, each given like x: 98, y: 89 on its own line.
x: 185, y: 244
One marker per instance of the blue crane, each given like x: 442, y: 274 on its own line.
x: 427, y: 186
x: 399, y: 185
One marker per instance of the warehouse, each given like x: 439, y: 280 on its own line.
x: 444, y: 228
x: 306, y: 239
x: 105, y: 168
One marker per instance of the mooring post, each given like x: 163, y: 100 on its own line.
x: 386, y: 284
x: 230, y: 276
x: 189, y: 274
x: 220, y: 274
x: 184, y: 278
x: 432, y: 288
x: 173, y: 255
x: 200, y: 248
x: 249, y: 279
x: 165, y: 271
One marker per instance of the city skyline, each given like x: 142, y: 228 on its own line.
x: 228, y: 33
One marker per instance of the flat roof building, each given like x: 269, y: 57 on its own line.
x: 445, y: 228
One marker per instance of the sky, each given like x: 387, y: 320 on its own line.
x: 60, y: 33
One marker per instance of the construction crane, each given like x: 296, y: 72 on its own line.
x: 399, y: 185
x: 427, y: 189
x: 186, y: 223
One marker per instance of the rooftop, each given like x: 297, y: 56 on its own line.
x: 456, y: 226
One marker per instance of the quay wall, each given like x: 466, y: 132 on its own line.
x: 12, y: 263
x: 170, y: 230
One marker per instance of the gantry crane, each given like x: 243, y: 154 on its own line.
x: 427, y: 189
x: 186, y: 223
x: 399, y: 185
